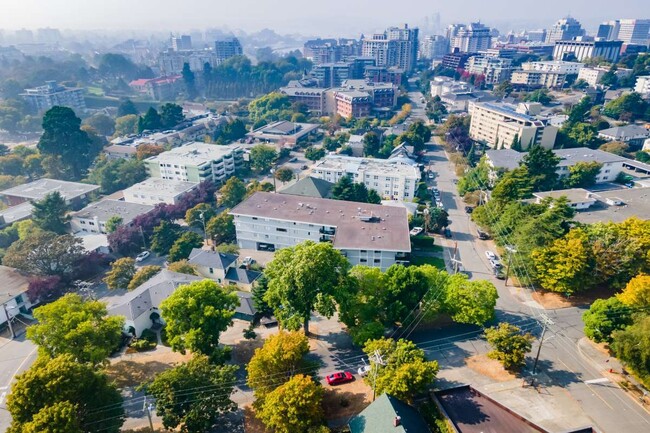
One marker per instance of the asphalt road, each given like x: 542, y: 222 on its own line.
x: 15, y: 357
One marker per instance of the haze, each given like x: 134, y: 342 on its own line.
x: 332, y: 17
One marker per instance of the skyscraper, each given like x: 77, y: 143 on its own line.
x: 182, y: 43
x: 227, y: 48
x: 397, y: 46
x: 469, y: 39
x: 565, y: 29
x: 627, y: 30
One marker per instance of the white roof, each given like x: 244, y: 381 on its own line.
x: 195, y: 154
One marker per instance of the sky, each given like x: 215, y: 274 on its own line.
x: 323, y: 17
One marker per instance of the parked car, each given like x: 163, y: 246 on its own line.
x: 469, y: 209
x: 500, y: 274
x: 339, y: 378
x: 294, y: 159
x: 416, y: 231
x: 490, y: 255
x: 447, y: 233
x: 482, y: 235
x: 495, y: 264
x: 143, y: 255
x: 247, y: 261
x: 304, y: 167
x: 363, y: 370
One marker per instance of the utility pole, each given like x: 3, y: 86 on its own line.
x: 11, y: 327
x: 148, y: 407
x: 511, y: 251
x: 144, y: 242
x: 378, y: 360
x: 547, y: 322
x: 205, y: 233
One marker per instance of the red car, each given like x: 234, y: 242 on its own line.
x: 339, y: 377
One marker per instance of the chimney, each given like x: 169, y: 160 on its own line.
x: 397, y: 421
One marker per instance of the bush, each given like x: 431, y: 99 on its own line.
x: 149, y: 335
x: 142, y: 345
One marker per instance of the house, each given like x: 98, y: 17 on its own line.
x: 93, y: 218
x: 387, y: 414
x: 154, y: 191
x: 120, y: 151
x: 75, y: 194
x: 222, y: 268
x: 13, y: 295
x: 309, y: 187
x: 633, y: 135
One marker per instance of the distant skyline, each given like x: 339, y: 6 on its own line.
x: 333, y: 17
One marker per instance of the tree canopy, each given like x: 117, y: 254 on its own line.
x: 604, y: 317
x: 509, y: 345
x: 49, y: 214
x: 232, y: 192
x: 184, y: 245
x: 121, y: 273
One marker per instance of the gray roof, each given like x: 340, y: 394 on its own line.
x: 246, y: 305
x: 211, y: 259
x: 635, y: 202
x: 574, y: 195
x: 16, y: 213
x: 623, y: 132
x: 380, y: 415
x: 13, y: 283
x: 309, y: 187
x: 510, y: 159
x: 241, y: 275
x: 38, y: 189
x: 505, y: 158
x: 105, y: 209
x: 150, y: 294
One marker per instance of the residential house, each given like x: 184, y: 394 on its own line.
x: 13, y: 295
x: 222, y: 268
x: 388, y: 414
x: 633, y: 135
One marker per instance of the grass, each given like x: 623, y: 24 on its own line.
x: 425, y: 243
x: 97, y: 91
x: 433, y: 261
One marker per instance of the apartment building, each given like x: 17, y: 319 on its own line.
x: 197, y: 162
x: 537, y: 79
x: 441, y: 85
x: 501, y: 125
x: 557, y: 66
x: 581, y: 50
x: 397, y: 46
x: 434, y: 47
x: 630, y: 31
x: 155, y: 190
x: 312, y: 97
x: 158, y: 89
x: 367, y: 234
x: 470, y: 38
x: 93, y: 218
x: 395, y: 178
x: 495, y: 70
x: 643, y: 85
x: 227, y: 48
x: 76, y: 194
x: 43, y: 98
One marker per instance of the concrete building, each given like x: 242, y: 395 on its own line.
x: 557, y: 66
x: 565, y: 29
x: 155, y: 190
x: 171, y: 62
x: 367, y: 234
x: 52, y: 94
x: 181, y: 43
x: 395, y: 178
x: 500, y: 125
x: 93, y: 218
x: 397, y: 46
x: 158, y: 89
x: 120, y: 151
x: 322, y: 51
x: 312, y: 97
x: 434, y: 47
x: 75, y: 194
x: 382, y: 74
x: 643, y: 85
x: 537, y: 79
x: 633, y: 135
x: 227, y: 48
x: 456, y: 60
x: 470, y: 38
x: 592, y: 76
x: 13, y: 298
x: 284, y: 133
x: 495, y: 70
x: 581, y: 50
x: 629, y: 31
x: 334, y: 74
x: 223, y: 268
x: 440, y: 85
x: 579, y: 198
x: 197, y: 162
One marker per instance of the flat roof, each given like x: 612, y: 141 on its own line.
x: 38, y: 189
x: 388, y: 231
x: 161, y: 187
x: 105, y: 209
x: 507, y: 110
x: 284, y: 128
x: 509, y: 159
x: 635, y: 202
x: 574, y: 195
x: 194, y: 153
x: 13, y: 283
x: 398, y: 165
x: 16, y: 213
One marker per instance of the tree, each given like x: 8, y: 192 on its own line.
x: 258, y: 292
x: 49, y: 214
x: 270, y: 107
x: 196, y: 314
x: 262, y: 157
x: 470, y: 301
x: 127, y: 108
x: 121, y: 273
x: 405, y: 372
x: 232, y: 192
x: 503, y: 89
x: 294, y: 406
x: 637, y: 292
x: 509, y: 345
x: 52, y: 387
x: 147, y: 150
x: 221, y: 228
x: 164, y: 236
x: 143, y: 275
x: 182, y: 267
x: 102, y: 123
x: 632, y: 346
x: 578, y: 112
x: 304, y: 278
x: 171, y: 115
x: 542, y: 168
x: 616, y: 147
x: 41, y: 289
x: 151, y: 121
x: 417, y: 135
x: 199, y: 215
x: 126, y: 125
x: 371, y: 144
x: 228, y: 249
x: 63, y: 137
x: 45, y: 253
x: 233, y: 130
x: 190, y: 81
x: 113, y: 223
x: 542, y: 96
x: 76, y: 327
x: 283, y: 174
x: 211, y: 389
x: 314, y: 154
x: 583, y: 174
x: 282, y: 353
x: 604, y: 317
x: 116, y: 174
x: 184, y: 245
x: 630, y: 106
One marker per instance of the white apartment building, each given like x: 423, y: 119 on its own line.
x: 592, y: 76
x: 197, y: 162
x: 93, y: 218
x: 558, y: 66
x: 155, y: 190
x: 395, y: 178
x: 565, y: 29
x: 499, y: 125
x: 397, y: 46
x: 472, y: 38
x: 51, y: 94
x: 441, y: 85
x: 537, y: 79
x: 367, y: 234
x: 495, y: 69
x: 643, y: 85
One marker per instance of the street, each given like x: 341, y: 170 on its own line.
x: 15, y: 357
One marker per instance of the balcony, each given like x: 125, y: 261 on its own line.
x: 325, y: 238
x: 403, y: 256
x: 327, y: 231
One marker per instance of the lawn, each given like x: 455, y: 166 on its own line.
x: 97, y: 91
x: 425, y: 243
x: 433, y: 261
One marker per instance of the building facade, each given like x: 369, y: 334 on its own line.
x: 643, y: 85
x: 52, y: 94
x: 495, y: 70
x: 565, y: 29
x: 93, y: 218
x: 227, y: 48
x: 629, y: 31
x: 537, y: 79
x: 581, y: 50
x: 397, y: 46
x: 472, y: 38
x: 558, y: 66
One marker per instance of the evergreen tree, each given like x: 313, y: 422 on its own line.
x: 189, y: 80
x: 151, y: 121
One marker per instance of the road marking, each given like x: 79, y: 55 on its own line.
x: 2, y: 397
x: 601, y: 380
x: 594, y: 392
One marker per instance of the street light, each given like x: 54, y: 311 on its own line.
x: 205, y: 233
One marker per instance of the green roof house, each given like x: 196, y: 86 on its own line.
x: 388, y: 415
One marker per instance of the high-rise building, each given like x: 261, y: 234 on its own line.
x: 181, y: 43
x: 629, y: 31
x: 227, y: 48
x: 495, y: 70
x: 565, y: 29
x: 397, y: 46
x: 469, y: 39
x: 434, y: 47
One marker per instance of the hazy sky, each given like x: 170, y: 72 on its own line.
x: 325, y: 17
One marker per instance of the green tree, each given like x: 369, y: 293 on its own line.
x: 578, y: 112
x: 49, y: 214
x: 164, y: 236
x: 63, y: 137
x: 127, y: 108
x: 125, y: 125
x: 76, y: 327
x: 116, y: 174
x: 102, y: 123
x: 258, y: 292
x: 314, y: 154
x: 514, y: 185
x: 196, y: 314
x: 143, y: 275
x: 417, y: 135
x: 604, y: 317
x: 503, y: 89
x: 171, y: 115
x: 52, y: 386
x: 182, y: 267
x: 470, y: 301
x: 45, y: 253
x: 543, y: 96
x: 405, y: 372
x: 210, y: 399
x: 113, y: 223
x: 632, y: 346
x: 121, y: 273
x: 304, y: 278
x: 232, y: 192
x: 583, y: 174
x: 627, y: 107
x: 190, y: 81
x: 262, y: 157
x: 221, y: 228
x: 151, y: 121
x: 283, y: 174
x: 542, y: 166
x: 184, y: 245
x: 293, y: 407
x: 371, y: 144
x: 270, y: 107
x: 200, y: 214
x: 233, y: 130
x: 59, y: 417
x: 509, y: 345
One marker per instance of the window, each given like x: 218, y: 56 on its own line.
x: 376, y: 261
x: 281, y: 230
x: 211, y: 270
x: 255, y: 218
x: 363, y: 260
x: 363, y: 251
